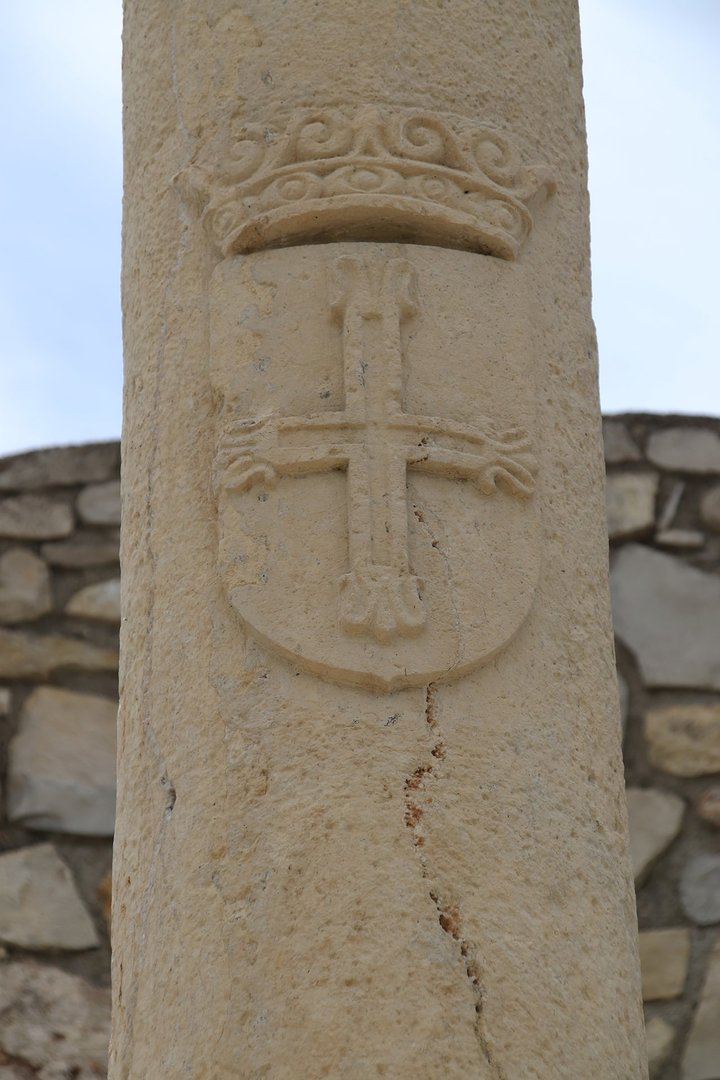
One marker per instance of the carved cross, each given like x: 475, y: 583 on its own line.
x: 375, y: 441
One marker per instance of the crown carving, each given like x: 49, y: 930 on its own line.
x: 374, y: 174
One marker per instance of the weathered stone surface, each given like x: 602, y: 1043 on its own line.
x: 24, y: 586
x: 60, y: 466
x: 664, y: 959
x: 99, y: 504
x: 53, y: 1026
x: 620, y: 447
x: 684, y: 739
x: 39, y: 905
x: 680, y: 449
x: 659, y: 1036
x: 24, y: 656
x: 34, y: 517
x: 100, y: 601
x: 80, y: 552
x: 383, y: 877
x: 710, y: 509
x: 708, y: 806
x: 700, y: 889
x: 630, y: 501
x: 667, y: 613
x: 655, y: 818
x: 62, y: 763
x: 702, y: 1053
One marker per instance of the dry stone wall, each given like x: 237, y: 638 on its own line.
x: 59, y: 616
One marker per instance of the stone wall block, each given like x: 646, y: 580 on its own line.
x: 684, y: 739
x: 62, y: 763
x: 664, y: 959
x: 39, y: 905
x: 685, y: 449
x: 81, y: 552
x: 53, y: 1025
x: 659, y: 1037
x: 710, y: 509
x: 60, y: 466
x: 35, y: 517
x: 620, y: 447
x: 28, y: 656
x: 667, y: 613
x: 25, y: 592
x: 700, y: 889
x: 100, y: 601
x: 99, y: 504
x: 655, y: 818
x: 702, y: 1055
x: 630, y: 501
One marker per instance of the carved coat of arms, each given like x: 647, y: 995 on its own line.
x: 375, y: 468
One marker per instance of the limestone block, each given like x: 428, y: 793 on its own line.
x: 62, y: 763
x: 680, y: 539
x: 80, y: 552
x: 708, y: 806
x: 5, y: 700
x: 24, y: 656
x: 630, y: 503
x: 60, y: 466
x: 667, y: 613
x: 684, y: 739
x: 689, y: 450
x: 100, y: 601
x: 620, y: 447
x: 39, y: 905
x: 659, y: 1037
x: 24, y: 586
x: 34, y: 517
x: 710, y: 509
x: 53, y: 1025
x: 700, y: 889
x: 655, y: 818
x: 99, y: 504
x: 664, y: 959
x: 702, y: 1052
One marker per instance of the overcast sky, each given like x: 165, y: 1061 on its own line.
x: 652, y: 89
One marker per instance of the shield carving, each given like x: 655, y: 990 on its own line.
x: 374, y: 466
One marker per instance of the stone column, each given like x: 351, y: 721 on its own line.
x: 371, y: 816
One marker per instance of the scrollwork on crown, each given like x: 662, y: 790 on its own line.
x: 374, y: 174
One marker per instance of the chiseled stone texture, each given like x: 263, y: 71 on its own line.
x: 34, y: 517
x: 710, y: 508
x: 702, y: 1054
x: 24, y: 586
x: 684, y: 739
x: 689, y: 450
x: 700, y: 889
x: 59, y: 466
x: 99, y: 504
x: 630, y: 501
x: 53, y: 1026
x: 62, y: 763
x: 35, y: 656
x: 100, y: 601
x: 667, y: 613
x: 655, y: 818
x: 664, y: 958
x: 39, y: 904
x: 659, y: 1036
x: 620, y: 447
x: 78, y: 552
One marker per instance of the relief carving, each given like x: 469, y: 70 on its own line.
x: 375, y: 441
x: 370, y: 174
x: 356, y: 451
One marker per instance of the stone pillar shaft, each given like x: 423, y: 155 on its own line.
x: 370, y: 807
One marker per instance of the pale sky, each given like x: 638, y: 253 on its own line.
x: 652, y: 85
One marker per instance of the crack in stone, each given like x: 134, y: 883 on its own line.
x: 449, y: 915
